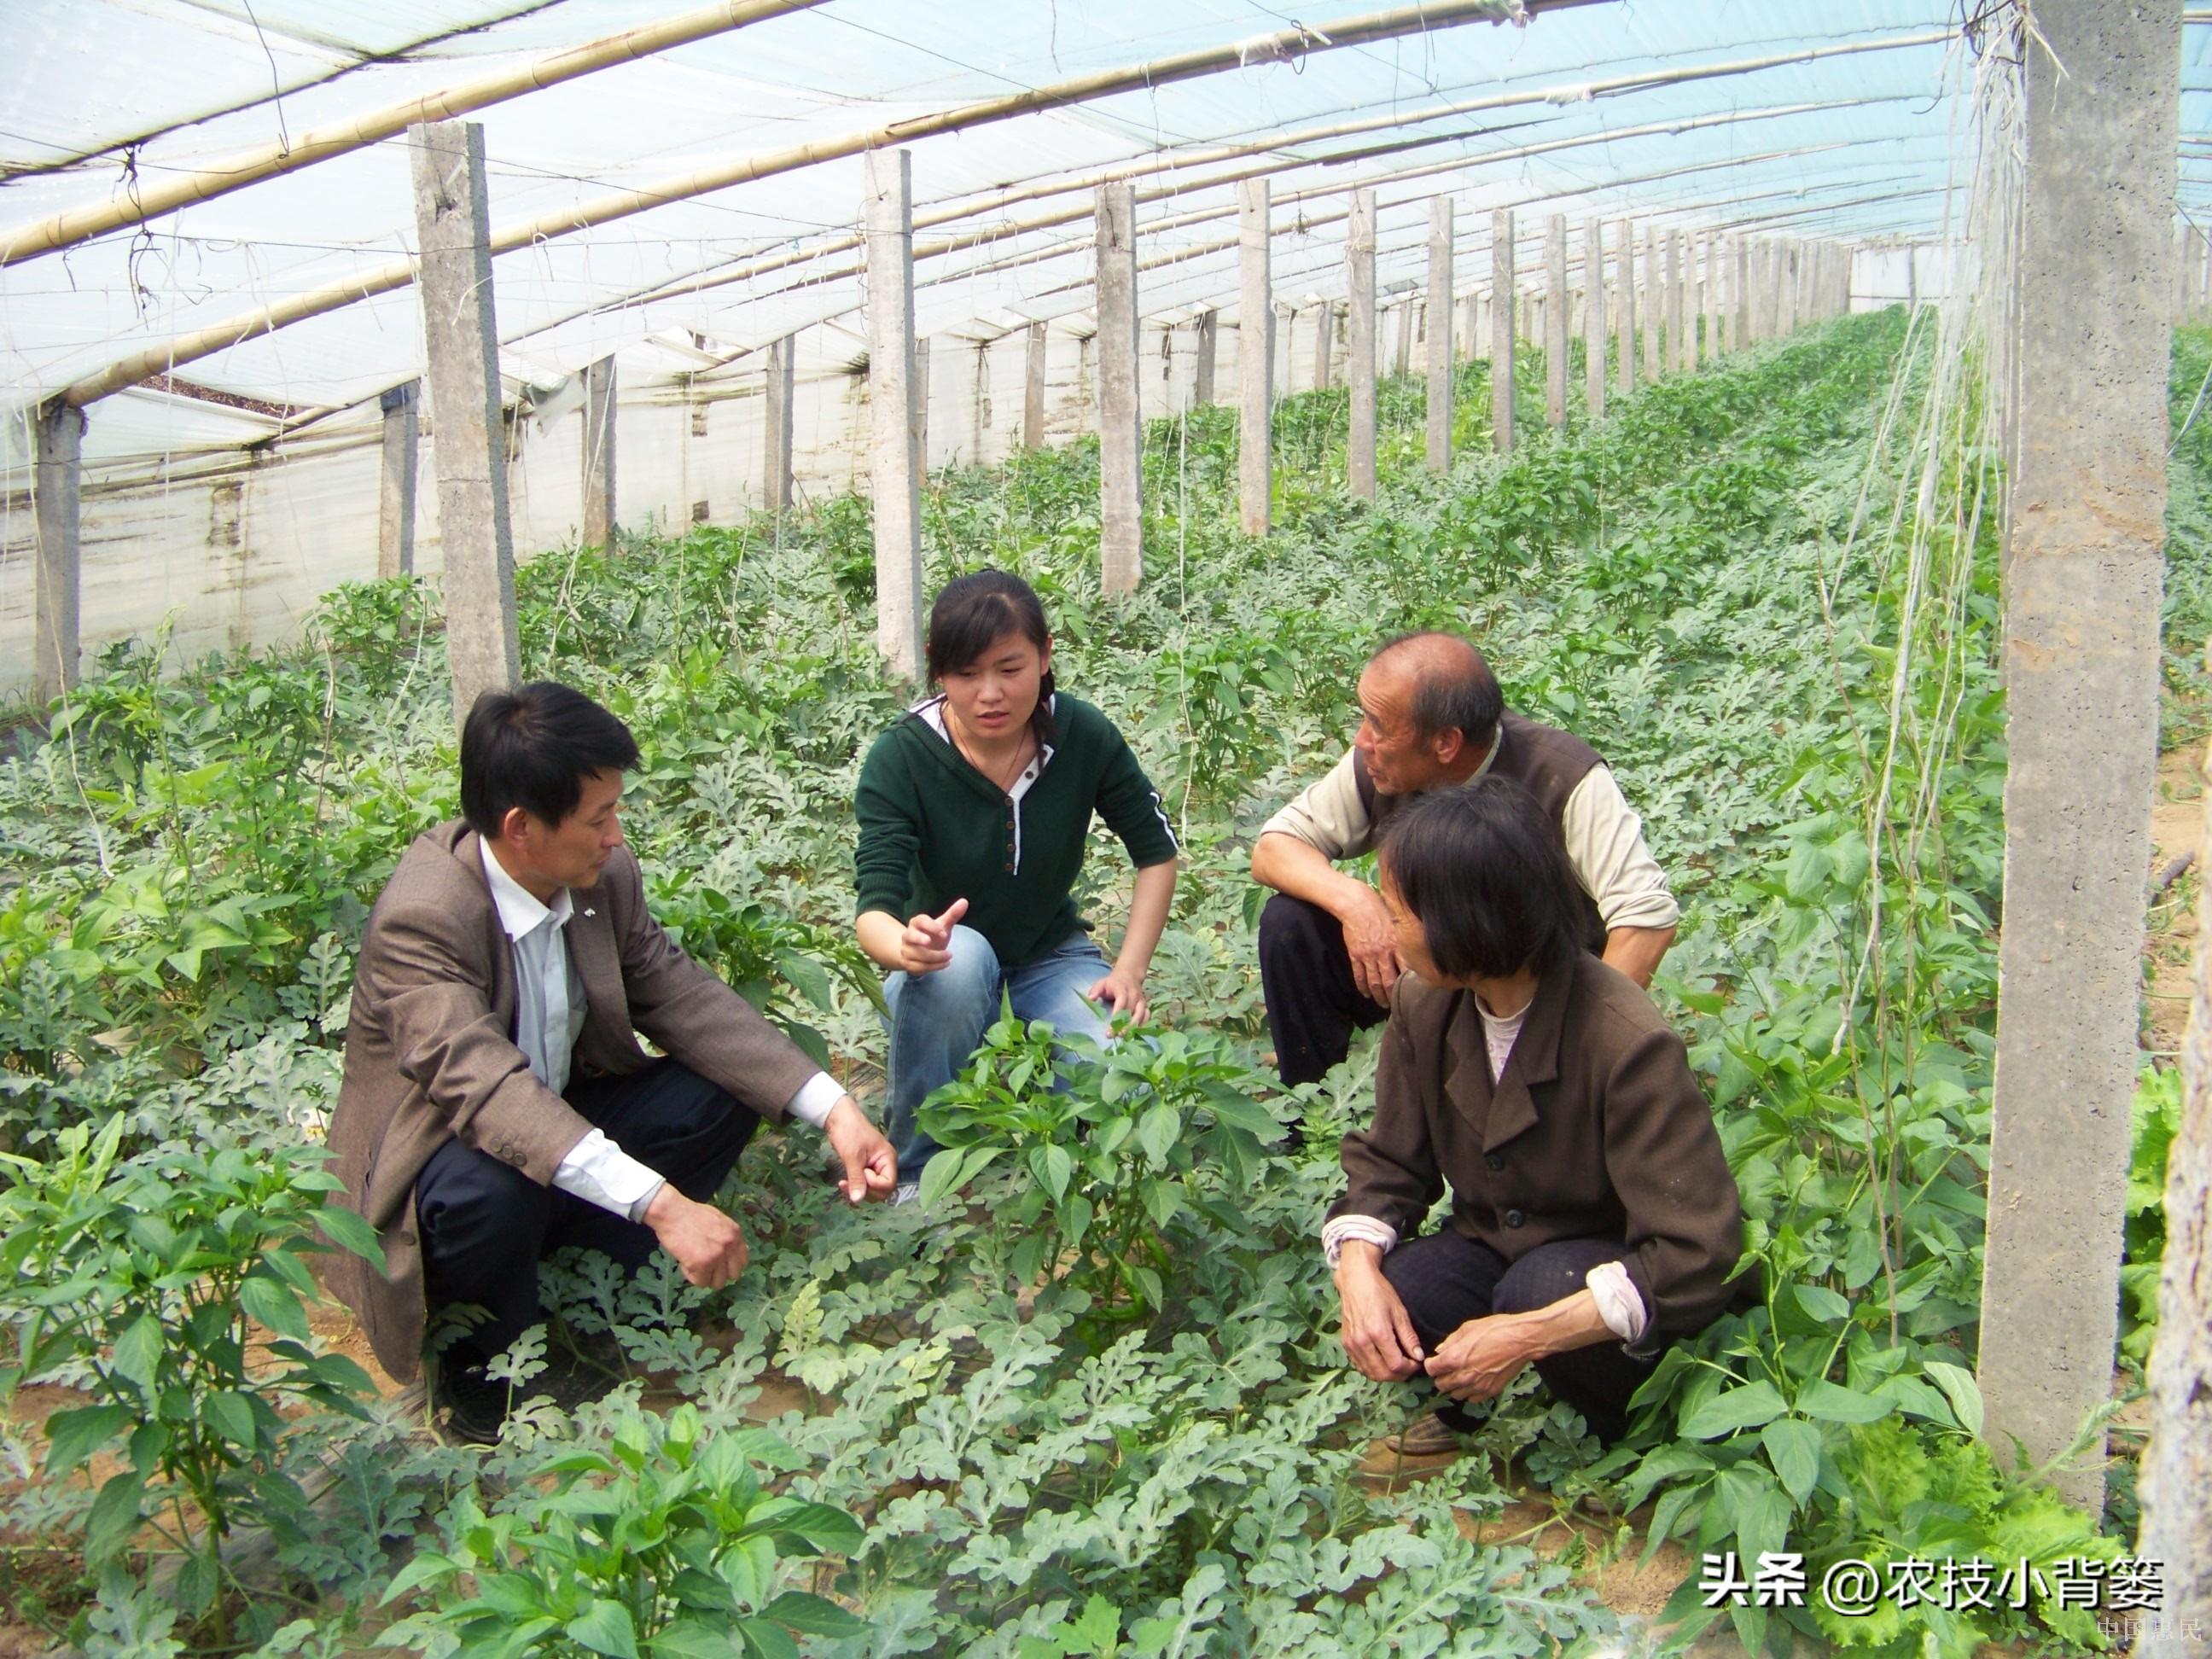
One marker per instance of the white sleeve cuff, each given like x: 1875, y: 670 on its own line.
x: 599, y: 1172
x: 1618, y: 1303
x: 815, y: 1100
x: 1342, y: 1229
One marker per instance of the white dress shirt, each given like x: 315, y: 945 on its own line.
x: 549, y: 1017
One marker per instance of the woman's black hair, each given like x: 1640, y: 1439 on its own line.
x: 971, y: 612
x: 1482, y: 868
x: 533, y: 749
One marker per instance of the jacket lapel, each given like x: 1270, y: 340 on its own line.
x: 468, y: 852
x: 593, y: 948
x: 1534, y: 1060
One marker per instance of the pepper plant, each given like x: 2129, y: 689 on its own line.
x: 1109, y: 1137
x: 666, y: 1544
x: 171, y: 1285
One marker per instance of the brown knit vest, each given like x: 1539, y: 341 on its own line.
x: 1548, y: 763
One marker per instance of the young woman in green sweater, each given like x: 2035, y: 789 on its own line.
x: 974, y: 810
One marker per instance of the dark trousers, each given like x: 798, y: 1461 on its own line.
x: 1313, y: 1006
x: 1446, y: 1280
x: 486, y: 1225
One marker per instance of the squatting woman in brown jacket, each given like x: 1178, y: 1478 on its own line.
x: 1594, y: 1220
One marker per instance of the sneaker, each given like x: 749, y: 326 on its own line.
x: 474, y: 1406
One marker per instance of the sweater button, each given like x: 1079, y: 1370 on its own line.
x: 1496, y: 1160
x: 1514, y: 1218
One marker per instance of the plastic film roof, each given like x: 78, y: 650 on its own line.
x: 1610, y: 108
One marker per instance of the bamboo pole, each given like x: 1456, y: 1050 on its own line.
x: 146, y: 201
x: 201, y: 343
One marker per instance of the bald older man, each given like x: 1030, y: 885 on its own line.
x: 1432, y: 716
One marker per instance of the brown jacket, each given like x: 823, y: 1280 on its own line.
x: 1596, y: 1130
x: 430, y: 1051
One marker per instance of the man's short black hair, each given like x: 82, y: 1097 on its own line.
x: 1454, y: 689
x: 533, y: 749
x: 1481, y: 867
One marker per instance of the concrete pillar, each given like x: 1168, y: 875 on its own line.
x: 1670, y: 347
x: 395, y: 524
x: 1324, y: 342
x: 1256, y: 358
x: 2204, y: 281
x: 600, y: 454
x: 921, y: 412
x: 2084, y: 567
x: 1202, y: 388
x: 1740, y: 333
x: 1713, y: 288
x: 775, y: 456
x: 1470, y: 329
x: 1785, y: 288
x: 1401, y: 360
x: 894, y: 410
x: 58, y: 486
x: 1653, y: 314
x: 1033, y: 388
x: 1440, y: 335
x: 1594, y: 312
x: 1501, y: 330
x: 1623, y: 305
x: 1555, y: 320
x: 1697, y: 341
x: 1359, y: 340
x: 460, y: 340
x: 1121, y: 417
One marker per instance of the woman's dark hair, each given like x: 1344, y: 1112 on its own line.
x: 971, y: 612
x: 533, y: 749
x: 1481, y: 867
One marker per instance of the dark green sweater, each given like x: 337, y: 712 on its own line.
x: 933, y: 830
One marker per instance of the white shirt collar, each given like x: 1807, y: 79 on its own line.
x: 519, y: 911
x: 1490, y: 759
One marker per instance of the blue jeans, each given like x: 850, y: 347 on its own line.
x: 938, y: 1020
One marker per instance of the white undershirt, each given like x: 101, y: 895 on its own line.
x: 549, y: 1017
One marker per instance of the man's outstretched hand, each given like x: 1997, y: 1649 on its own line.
x: 870, y: 1170
x: 706, y: 1243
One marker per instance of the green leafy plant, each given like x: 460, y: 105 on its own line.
x: 665, y: 1545
x: 1109, y: 1140
x: 173, y: 1284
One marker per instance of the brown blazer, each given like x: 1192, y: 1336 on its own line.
x: 1596, y: 1130
x: 430, y: 1053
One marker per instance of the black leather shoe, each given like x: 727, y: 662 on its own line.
x: 474, y: 1406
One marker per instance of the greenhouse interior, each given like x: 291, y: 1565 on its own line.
x: 1585, y: 623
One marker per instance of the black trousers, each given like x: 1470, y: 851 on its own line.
x: 485, y: 1225
x: 1313, y: 1006
x: 1447, y: 1279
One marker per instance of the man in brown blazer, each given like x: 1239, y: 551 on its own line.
x: 496, y: 1104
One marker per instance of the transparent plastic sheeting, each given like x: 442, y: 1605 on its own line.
x: 1870, y: 147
